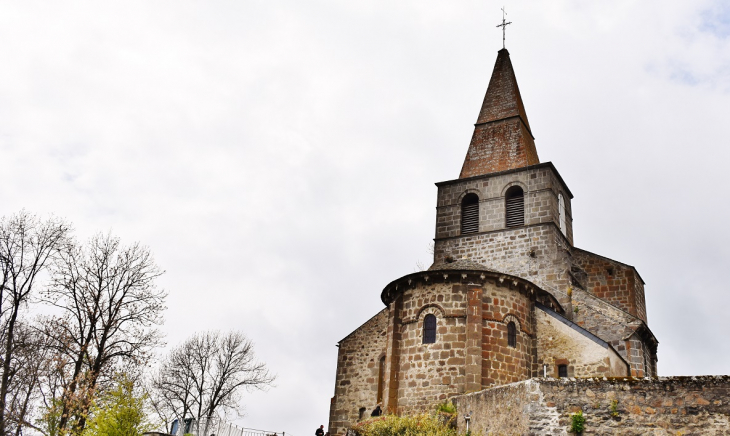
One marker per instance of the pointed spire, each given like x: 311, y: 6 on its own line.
x: 502, y: 137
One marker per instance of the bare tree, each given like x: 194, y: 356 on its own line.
x: 172, y: 387
x: 206, y: 375
x: 27, y: 246
x: 111, y: 307
x: 34, y: 361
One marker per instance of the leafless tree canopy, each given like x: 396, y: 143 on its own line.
x: 110, y: 307
x: 27, y: 246
x: 106, y: 309
x: 205, y: 376
x: 33, y: 364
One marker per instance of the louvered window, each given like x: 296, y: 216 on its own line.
x: 515, y: 207
x: 511, y: 334
x: 470, y: 214
x: 429, y: 329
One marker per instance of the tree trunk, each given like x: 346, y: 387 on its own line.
x: 8, y: 352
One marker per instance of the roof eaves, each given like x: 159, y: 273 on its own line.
x: 510, y: 171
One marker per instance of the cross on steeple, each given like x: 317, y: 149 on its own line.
x: 503, y: 26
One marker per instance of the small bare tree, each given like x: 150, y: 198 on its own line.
x: 172, y: 387
x: 27, y: 246
x: 205, y: 376
x: 34, y: 362
x: 111, y: 307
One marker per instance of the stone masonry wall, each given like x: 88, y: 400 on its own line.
x: 356, y: 384
x: 613, y: 326
x: 684, y: 406
x: 430, y: 372
x: 510, y: 251
x: 501, y: 363
x: 559, y: 344
x: 538, y: 251
x: 617, y: 283
x: 541, y: 186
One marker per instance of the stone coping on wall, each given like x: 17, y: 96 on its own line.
x: 685, y: 380
x: 697, y: 381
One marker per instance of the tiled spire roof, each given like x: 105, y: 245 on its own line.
x: 502, y: 137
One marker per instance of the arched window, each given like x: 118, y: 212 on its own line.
x: 511, y: 334
x: 381, y: 379
x: 562, y: 371
x: 429, y: 329
x: 515, y: 207
x: 469, y: 214
x: 561, y: 213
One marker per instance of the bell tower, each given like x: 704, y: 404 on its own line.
x: 506, y: 210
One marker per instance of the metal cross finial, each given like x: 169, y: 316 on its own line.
x: 504, y: 26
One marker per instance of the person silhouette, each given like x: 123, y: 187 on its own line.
x: 377, y: 411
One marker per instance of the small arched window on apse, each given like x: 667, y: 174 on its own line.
x: 511, y: 334
x: 469, y: 214
x: 514, y: 207
x: 429, y: 329
x: 561, y: 213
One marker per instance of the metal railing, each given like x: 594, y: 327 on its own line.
x: 219, y: 427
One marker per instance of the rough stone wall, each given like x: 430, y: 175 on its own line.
x: 427, y: 373
x: 621, y: 406
x: 510, y: 252
x: 603, y: 320
x: 392, y: 359
x: 611, y: 281
x: 641, y: 358
x: 356, y: 384
x: 538, y: 251
x: 501, y: 363
x: 615, y: 327
x: 640, y: 298
x: 541, y: 186
x: 558, y: 344
x: 503, y: 410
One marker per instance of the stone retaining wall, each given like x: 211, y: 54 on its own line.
x: 621, y: 406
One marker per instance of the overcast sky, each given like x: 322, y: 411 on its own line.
x: 279, y: 157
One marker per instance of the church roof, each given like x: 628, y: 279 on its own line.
x: 467, y: 272
x: 502, y: 137
x: 462, y: 264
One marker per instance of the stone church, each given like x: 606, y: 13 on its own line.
x: 508, y: 298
